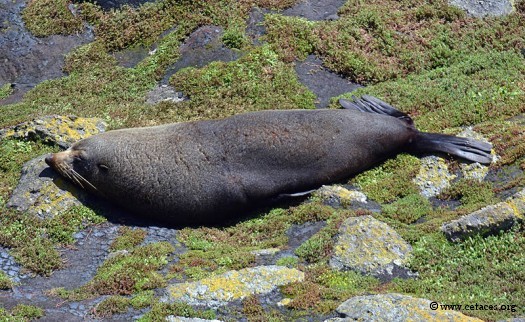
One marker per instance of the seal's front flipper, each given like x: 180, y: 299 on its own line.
x: 370, y: 104
x: 297, y: 194
x: 469, y: 149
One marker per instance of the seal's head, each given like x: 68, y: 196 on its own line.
x: 77, y: 164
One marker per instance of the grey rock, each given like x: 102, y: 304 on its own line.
x: 395, y: 307
x: 38, y: 191
x: 57, y: 129
x: 164, y: 93
x: 203, y: 46
x: 483, y: 8
x: 26, y: 60
x: 369, y: 246
x: 233, y: 285
x: 172, y: 318
x: 488, y: 220
x: 315, y: 9
x: 321, y: 81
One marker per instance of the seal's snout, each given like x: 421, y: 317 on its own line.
x: 49, y: 160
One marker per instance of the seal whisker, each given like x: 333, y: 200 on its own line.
x: 81, y: 178
x: 68, y: 173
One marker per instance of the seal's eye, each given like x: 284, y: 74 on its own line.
x: 103, y: 167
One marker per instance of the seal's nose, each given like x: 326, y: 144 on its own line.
x: 49, y: 160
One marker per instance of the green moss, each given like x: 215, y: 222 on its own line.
x: 390, y: 180
x: 288, y: 261
x: 142, y: 299
x: 6, y: 90
x: 124, y: 273
x: 479, y: 270
x: 311, y: 212
x: 160, y: 311
x: 27, y: 312
x: 319, y: 247
x: 381, y: 40
x: 5, y: 282
x: 507, y: 138
x: 60, y: 228
x: 290, y: 37
x: 257, y: 81
x: 482, y: 87
x: 128, y: 238
x: 50, y: 17
x: 472, y: 194
x: 407, y: 209
x: 89, y: 56
x: 324, y: 289
x: 111, y: 305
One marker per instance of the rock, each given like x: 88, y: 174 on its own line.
x: 27, y: 60
x: 233, y: 285
x: 488, y: 220
x: 61, y: 130
x: 200, y: 48
x: 39, y: 191
x: 315, y: 10
x: 339, y: 196
x: 164, y: 93
x: 433, y: 176
x: 484, y: 8
x: 324, y: 83
x: 172, y: 318
x: 265, y: 252
x: 369, y: 246
x: 395, y: 307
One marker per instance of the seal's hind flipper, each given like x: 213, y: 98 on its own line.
x: 370, y: 104
x: 469, y: 149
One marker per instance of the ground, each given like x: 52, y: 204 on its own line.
x: 447, y: 69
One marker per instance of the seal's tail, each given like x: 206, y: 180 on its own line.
x: 469, y: 149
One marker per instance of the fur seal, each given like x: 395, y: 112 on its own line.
x: 207, y: 171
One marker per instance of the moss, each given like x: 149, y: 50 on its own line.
x: 472, y: 194
x: 142, y: 299
x: 407, y: 209
x: 319, y: 247
x: 324, y: 289
x: 6, y: 90
x: 390, y: 180
x: 110, y: 306
x: 125, y: 273
x: 60, y: 228
x: 508, y: 139
x: 311, y: 212
x: 160, y: 311
x: 288, y: 261
x: 382, y: 40
x: 5, y: 282
x: 482, y: 87
x: 480, y: 270
x: 290, y: 37
x: 86, y: 57
x: 257, y: 81
x: 128, y: 238
x: 27, y: 312
x: 50, y: 17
